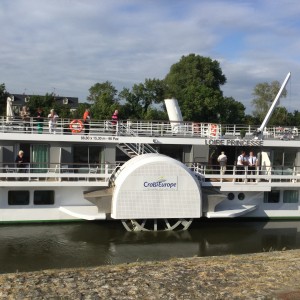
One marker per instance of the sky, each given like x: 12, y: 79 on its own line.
x: 67, y: 46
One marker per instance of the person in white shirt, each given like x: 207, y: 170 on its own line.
x: 222, y: 159
x: 252, y: 163
x: 52, y: 121
x: 241, y: 163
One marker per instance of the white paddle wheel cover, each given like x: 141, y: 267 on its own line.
x: 154, y: 186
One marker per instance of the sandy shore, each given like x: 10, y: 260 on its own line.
x: 270, y: 275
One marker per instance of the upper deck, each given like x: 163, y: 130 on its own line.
x: 149, y: 132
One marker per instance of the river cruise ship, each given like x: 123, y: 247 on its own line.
x: 150, y: 175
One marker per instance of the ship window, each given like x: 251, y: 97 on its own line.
x: 230, y: 196
x: 272, y: 197
x: 241, y: 196
x: 87, y: 155
x: 290, y: 196
x: 43, y: 197
x: 18, y: 197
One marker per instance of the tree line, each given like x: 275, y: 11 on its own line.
x: 195, y: 81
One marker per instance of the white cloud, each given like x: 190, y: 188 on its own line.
x: 70, y: 45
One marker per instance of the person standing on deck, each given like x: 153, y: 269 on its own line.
x: 52, y: 121
x: 25, y: 115
x: 40, y: 120
x: 222, y: 159
x: 252, y: 164
x: 241, y: 163
x: 114, y: 121
x: 20, y: 162
x: 86, y: 121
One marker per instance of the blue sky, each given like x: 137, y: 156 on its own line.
x: 66, y: 46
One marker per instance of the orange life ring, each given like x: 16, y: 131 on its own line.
x: 76, y: 126
x: 213, y: 129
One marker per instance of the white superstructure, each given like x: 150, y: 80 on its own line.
x: 150, y: 175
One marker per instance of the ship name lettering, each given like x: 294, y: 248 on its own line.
x: 239, y: 142
x: 235, y: 142
x: 214, y: 142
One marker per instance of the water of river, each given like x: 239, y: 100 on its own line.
x: 48, y: 246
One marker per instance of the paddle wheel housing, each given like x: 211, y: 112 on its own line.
x: 155, y: 186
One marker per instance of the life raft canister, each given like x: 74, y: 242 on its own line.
x: 213, y: 129
x: 76, y: 126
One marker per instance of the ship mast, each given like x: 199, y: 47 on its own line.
x: 273, y: 106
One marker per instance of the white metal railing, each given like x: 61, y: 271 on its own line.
x: 57, y: 172
x: 269, y: 174
x: 148, y: 128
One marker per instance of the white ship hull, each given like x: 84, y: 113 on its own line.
x: 143, y: 171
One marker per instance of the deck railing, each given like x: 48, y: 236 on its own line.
x: 148, y: 128
x: 103, y: 173
x: 269, y: 174
x: 57, y: 172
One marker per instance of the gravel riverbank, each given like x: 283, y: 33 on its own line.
x: 269, y: 275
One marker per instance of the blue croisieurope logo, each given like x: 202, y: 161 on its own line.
x: 160, y: 183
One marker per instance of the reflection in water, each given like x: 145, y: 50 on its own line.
x: 46, y: 246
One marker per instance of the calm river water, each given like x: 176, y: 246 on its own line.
x: 47, y: 246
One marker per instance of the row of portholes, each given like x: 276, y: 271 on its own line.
x: 241, y: 196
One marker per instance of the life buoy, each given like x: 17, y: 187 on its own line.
x: 213, y: 129
x: 76, y: 126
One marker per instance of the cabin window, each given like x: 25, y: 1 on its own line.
x: 86, y: 155
x: 290, y: 196
x: 272, y: 197
x: 241, y: 196
x: 43, y: 198
x: 18, y: 197
x: 284, y: 158
x: 230, y: 196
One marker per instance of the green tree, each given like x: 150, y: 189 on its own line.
x: 195, y: 82
x: 3, y: 98
x: 78, y: 114
x: 156, y: 114
x: 103, y: 99
x: 132, y: 108
x: 264, y: 94
x: 46, y: 103
x: 141, y: 98
x: 233, y: 112
x: 294, y: 118
x: 279, y: 117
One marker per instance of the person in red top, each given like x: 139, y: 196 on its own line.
x: 86, y: 121
x: 114, y: 121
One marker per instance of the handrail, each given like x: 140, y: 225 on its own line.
x: 150, y: 128
x: 137, y: 148
x: 266, y: 173
x: 59, y: 172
